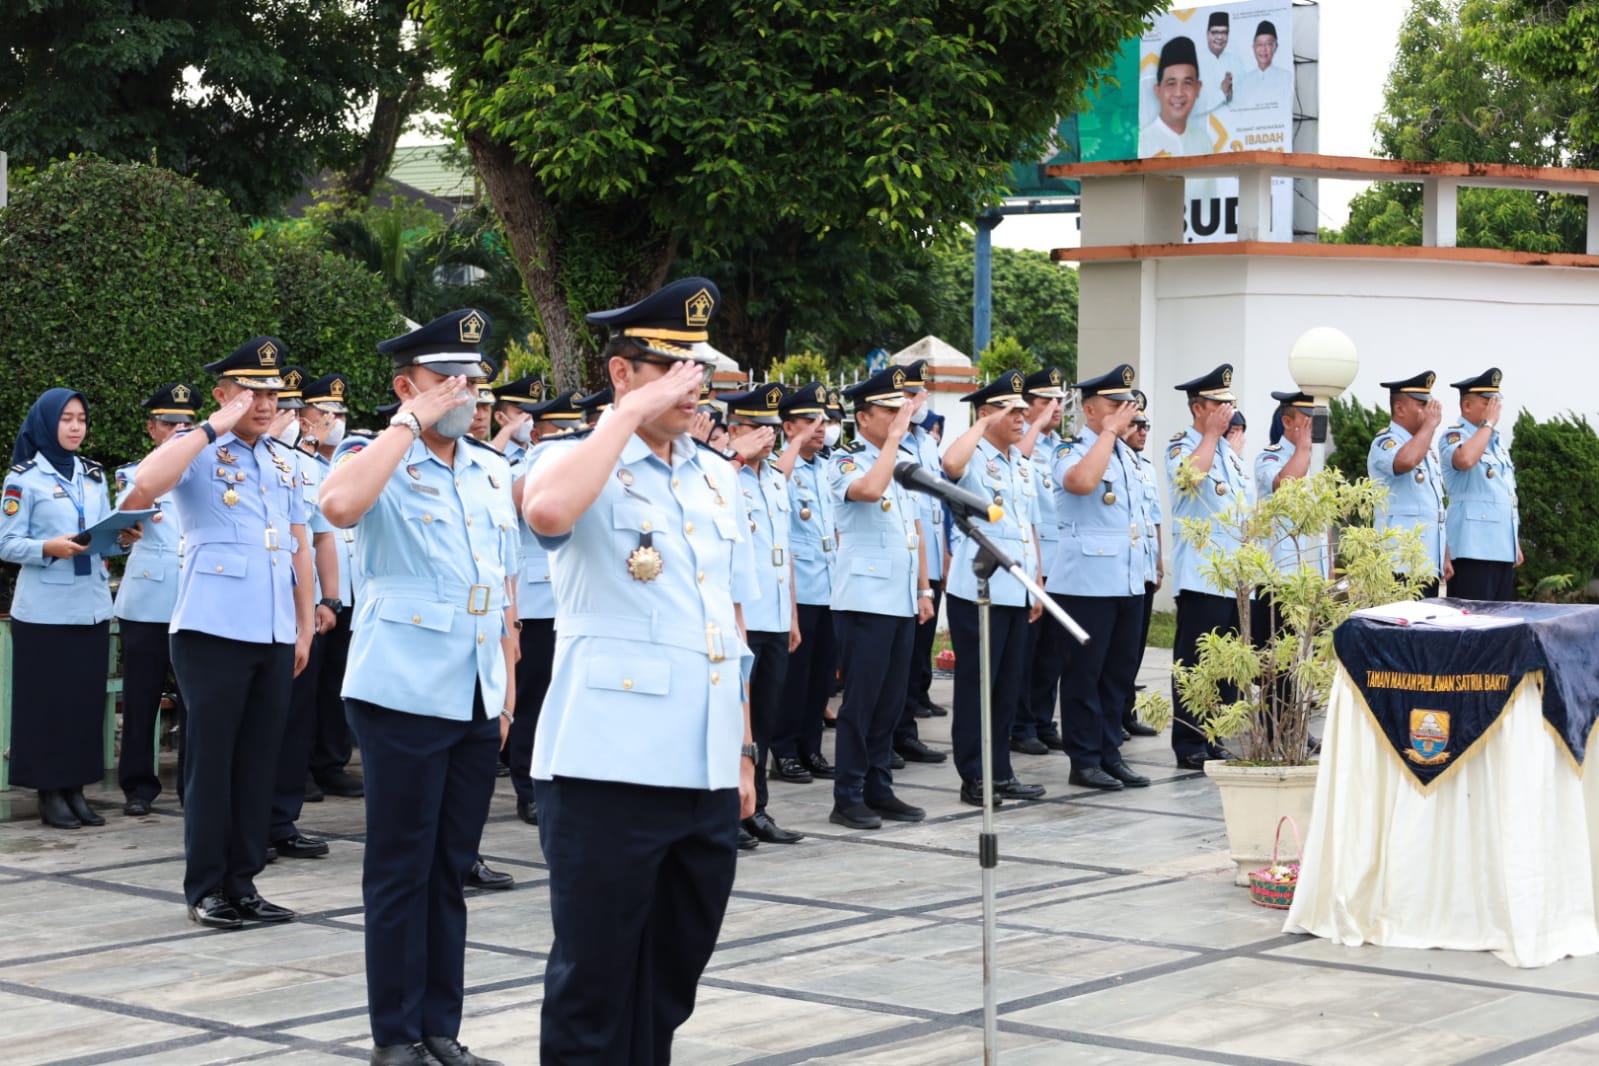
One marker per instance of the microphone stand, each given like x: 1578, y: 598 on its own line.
x: 988, y: 559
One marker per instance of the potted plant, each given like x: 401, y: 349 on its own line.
x: 1259, y: 692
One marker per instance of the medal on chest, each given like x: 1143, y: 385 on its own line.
x: 645, y: 563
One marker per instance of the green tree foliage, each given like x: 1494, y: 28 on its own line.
x: 800, y: 369
x: 1353, y: 426
x: 1034, y: 301
x: 1452, y: 96
x: 613, y: 136
x: 250, y: 96
x: 1557, y: 488
x: 118, y: 279
x: 1005, y: 353
x: 1554, y: 44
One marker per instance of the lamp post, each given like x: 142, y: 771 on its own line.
x: 1323, y: 362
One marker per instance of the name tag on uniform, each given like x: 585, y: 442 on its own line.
x: 60, y: 493
x: 417, y: 486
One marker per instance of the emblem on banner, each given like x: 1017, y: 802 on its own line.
x: 1429, y: 737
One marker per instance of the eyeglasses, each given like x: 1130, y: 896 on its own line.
x: 707, y: 370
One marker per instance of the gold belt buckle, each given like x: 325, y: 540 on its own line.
x: 271, y: 539
x: 473, y: 595
x: 777, y: 557
x: 714, y: 648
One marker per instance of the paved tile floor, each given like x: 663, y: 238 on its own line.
x: 1121, y: 939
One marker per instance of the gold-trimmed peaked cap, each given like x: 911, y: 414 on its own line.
x: 561, y: 407
x: 255, y: 364
x: 1046, y: 383
x: 1484, y: 384
x: 886, y: 388
x: 291, y: 396
x: 1418, y: 387
x: 1007, y: 390
x: 528, y: 390
x: 807, y: 401
x: 760, y: 405
x: 1302, y: 400
x: 1216, y: 385
x: 171, y: 403
x: 448, y: 345
x: 328, y: 392
x: 916, y: 375
x: 669, y: 321
x: 1116, y: 385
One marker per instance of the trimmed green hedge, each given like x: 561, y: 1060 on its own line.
x: 1557, y: 487
x: 117, y: 279
x: 1353, y: 426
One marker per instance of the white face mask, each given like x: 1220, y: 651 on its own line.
x: 457, y: 420
x: 291, y: 433
x: 831, y: 434
x: 523, y: 432
x: 335, y: 434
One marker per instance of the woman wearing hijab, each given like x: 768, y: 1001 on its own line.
x: 60, y: 616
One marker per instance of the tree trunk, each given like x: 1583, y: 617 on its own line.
x: 754, y: 341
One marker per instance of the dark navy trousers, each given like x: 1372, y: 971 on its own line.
x: 766, y: 697
x: 1100, y: 676
x: 537, y: 642
x: 809, y: 686
x: 428, y: 784
x: 146, y: 661
x: 1198, y: 613
x: 1007, y: 651
x: 294, y: 754
x: 639, y: 882
x: 875, y: 652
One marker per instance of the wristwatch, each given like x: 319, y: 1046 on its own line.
x: 409, y: 421
x: 331, y: 604
x: 751, y: 752
x: 925, y: 594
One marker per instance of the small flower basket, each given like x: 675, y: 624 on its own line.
x: 1273, y: 886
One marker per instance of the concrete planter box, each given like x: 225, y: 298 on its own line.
x: 1253, y: 798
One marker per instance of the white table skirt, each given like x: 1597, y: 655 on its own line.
x: 1498, y: 856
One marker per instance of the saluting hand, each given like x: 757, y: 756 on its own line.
x: 1432, y: 414
x: 699, y: 427
x: 749, y: 445
x: 1297, y: 432
x: 432, y: 404
x: 1496, y: 407
x: 680, y: 384
x: 900, y: 425
x: 1121, y: 416
x: 1217, y: 419
x: 280, y: 422
x: 227, y: 416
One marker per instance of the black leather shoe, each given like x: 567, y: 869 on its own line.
x: 1053, y: 742
x: 54, y: 811
x: 136, y: 808
x: 1138, y: 729
x: 480, y: 876
x: 342, y: 783
x: 894, y: 809
x: 792, y: 770
x: 829, y: 721
x: 313, y: 791
x: 448, y: 1050
x: 216, y: 911
x: 922, y: 712
x: 271, y: 854
x: 1028, y: 746
x: 855, y: 816
x: 1125, y: 774
x: 913, y: 750
x: 936, y: 711
x: 818, y: 765
x: 1094, y: 777
x: 1193, y: 761
x: 766, y: 829
x: 501, y: 770
x: 402, y: 1055
x: 1016, y: 790
x: 896, y: 761
x: 256, y: 909
x: 1126, y: 736
x: 972, y: 794
x: 746, y: 842
x: 528, y: 812
x: 300, y: 846
x: 80, y: 807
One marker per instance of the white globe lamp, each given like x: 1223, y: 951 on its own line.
x: 1323, y: 362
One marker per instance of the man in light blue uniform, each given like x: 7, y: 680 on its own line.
x: 143, y: 607
x: 644, y: 758
x: 1289, y: 460
x: 427, y: 687
x: 771, y: 623
x: 813, y: 542
x: 241, y: 628
x: 1033, y: 732
x: 920, y: 446
x: 1201, y: 607
x: 880, y: 593
x: 986, y: 462
x: 1401, y: 459
x: 1137, y: 438
x: 1098, y: 579
x: 1484, y: 523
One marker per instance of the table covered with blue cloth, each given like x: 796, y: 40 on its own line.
x: 1452, y: 809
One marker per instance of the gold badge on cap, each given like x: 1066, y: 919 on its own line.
x: 267, y: 354
x: 1495, y: 378
x: 1127, y: 375
x: 337, y: 388
x: 181, y: 393
x: 1227, y: 378
x: 1054, y: 376
x: 697, y: 308
x: 291, y: 381
x: 899, y: 378
x: 470, y: 329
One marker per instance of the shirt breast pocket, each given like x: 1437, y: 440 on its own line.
x: 57, y: 573
x: 641, y: 677
x: 418, y: 614
x: 871, y: 567
x: 1100, y: 545
x: 220, y: 563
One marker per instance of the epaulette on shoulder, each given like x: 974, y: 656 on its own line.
x: 1072, y: 440
x: 855, y: 446
x: 22, y: 468
x: 93, y: 470
x: 484, y: 445
x: 1179, y: 435
x: 1273, y: 448
x: 1458, y: 425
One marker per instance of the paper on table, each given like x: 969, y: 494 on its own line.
x: 1413, y: 612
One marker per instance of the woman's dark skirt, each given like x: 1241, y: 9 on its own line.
x: 58, y: 704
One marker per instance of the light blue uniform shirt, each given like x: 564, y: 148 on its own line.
x: 149, y: 588
x: 646, y: 683
x: 535, y: 592
x: 924, y: 449
x: 765, y: 492
x: 1226, y: 485
x: 434, y: 550
x: 313, y: 469
x: 1150, y: 515
x: 1104, y: 535
x: 1483, y: 520
x: 1415, y: 498
x: 813, y: 538
x: 40, y: 505
x: 877, y: 541
x: 1290, y: 553
x: 1049, y: 491
x: 237, y: 570
x: 1007, y: 478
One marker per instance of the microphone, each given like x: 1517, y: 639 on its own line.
x: 916, y: 477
